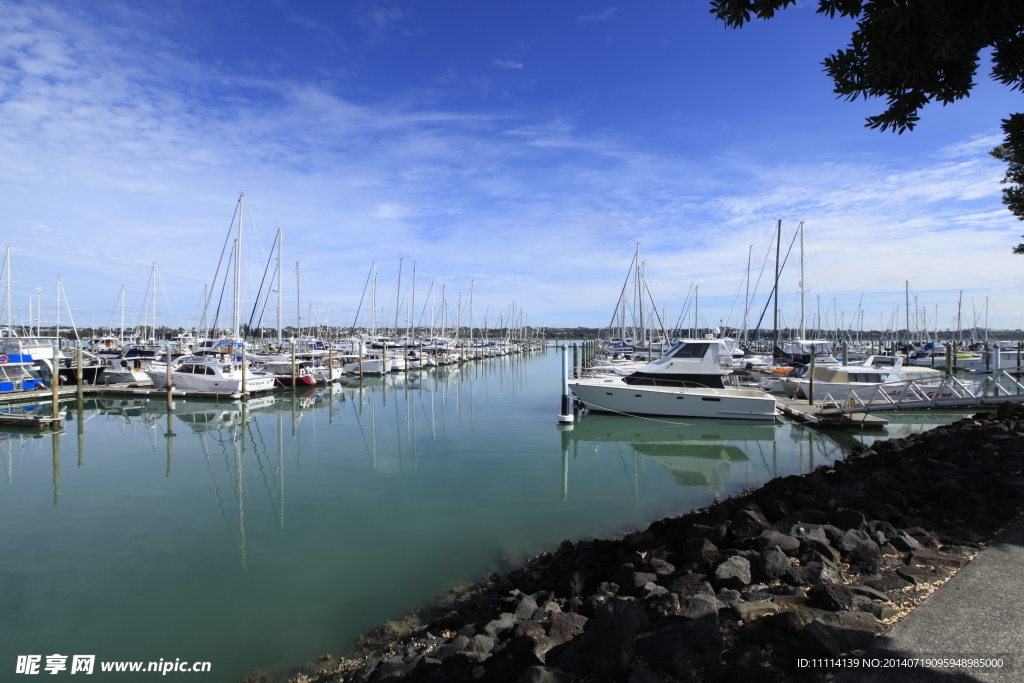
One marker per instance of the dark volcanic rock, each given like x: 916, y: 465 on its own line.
x: 566, y: 626
x: 832, y: 597
x: 920, y: 575
x: 928, y: 558
x: 527, y: 606
x: 801, y: 576
x: 865, y: 558
x: 716, y: 534
x: 821, y: 639
x: 846, y: 519
x: 748, y: 523
x: 699, y: 607
x: 772, y: 538
x: 733, y: 573
x: 851, y: 539
x: 458, y: 644
x: 576, y: 584
x: 700, y: 553
x: 830, y: 554
x: 868, y: 592
x: 773, y: 564
x: 507, y: 665
x: 774, y: 510
x: 676, y: 644
x: 689, y: 584
x: 545, y: 674
x: 609, y: 639
x: 503, y: 624
x: 642, y: 674
x: 886, y: 581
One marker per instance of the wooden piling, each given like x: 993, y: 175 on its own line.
x: 55, y: 380
x: 245, y: 384
x: 810, y: 381
x: 294, y: 380
x: 79, y: 372
x: 169, y: 377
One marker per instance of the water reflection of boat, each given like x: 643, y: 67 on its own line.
x: 696, y: 453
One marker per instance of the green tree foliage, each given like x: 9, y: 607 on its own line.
x: 912, y: 52
x: 1012, y: 152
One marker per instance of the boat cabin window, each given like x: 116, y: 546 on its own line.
x: 187, y: 368
x: 210, y: 371
x: 866, y: 377
x: 691, y: 351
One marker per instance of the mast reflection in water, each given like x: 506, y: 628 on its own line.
x: 262, y: 534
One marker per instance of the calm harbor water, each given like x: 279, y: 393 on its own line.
x: 260, y: 537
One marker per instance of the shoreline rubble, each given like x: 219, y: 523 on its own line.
x: 806, y: 566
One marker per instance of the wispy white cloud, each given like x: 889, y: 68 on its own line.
x: 318, y: 29
x: 507, y: 64
x: 598, y: 16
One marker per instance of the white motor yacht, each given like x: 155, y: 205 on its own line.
x: 687, y: 381
x: 863, y: 380
x: 207, y: 373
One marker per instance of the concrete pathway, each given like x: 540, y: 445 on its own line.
x: 979, y: 613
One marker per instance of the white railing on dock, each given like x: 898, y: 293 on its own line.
x: 996, y: 386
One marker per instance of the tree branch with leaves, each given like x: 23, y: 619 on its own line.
x: 913, y: 52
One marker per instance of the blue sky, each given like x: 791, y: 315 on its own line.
x: 526, y: 146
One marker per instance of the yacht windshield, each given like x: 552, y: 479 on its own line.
x: 691, y: 351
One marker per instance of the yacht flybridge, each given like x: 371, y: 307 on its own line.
x: 687, y: 381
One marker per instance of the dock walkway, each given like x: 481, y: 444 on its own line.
x: 801, y: 411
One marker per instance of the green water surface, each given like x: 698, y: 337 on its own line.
x: 265, y: 536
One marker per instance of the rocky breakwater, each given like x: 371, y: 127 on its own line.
x: 806, y: 566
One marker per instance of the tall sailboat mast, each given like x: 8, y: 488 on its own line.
x: 412, y: 304
x: 7, y: 270
x: 803, y: 328
x: 236, y: 304
x: 398, y: 294
x: 746, y: 301
x: 280, y: 266
x: 298, y: 302
x: 778, y: 248
x: 152, y: 284
x: 122, y: 314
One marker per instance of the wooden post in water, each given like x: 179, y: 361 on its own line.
x: 575, y: 359
x: 294, y: 378
x: 170, y: 388
x: 55, y: 381
x: 330, y: 364
x: 846, y: 353
x: 949, y: 359
x: 81, y: 376
x: 810, y: 381
x: 245, y: 385
x: 566, y: 416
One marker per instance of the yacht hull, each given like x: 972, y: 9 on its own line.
x: 612, y: 395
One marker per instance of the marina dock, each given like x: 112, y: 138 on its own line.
x: 800, y: 411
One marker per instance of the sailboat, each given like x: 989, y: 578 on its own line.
x: 225, y: 372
